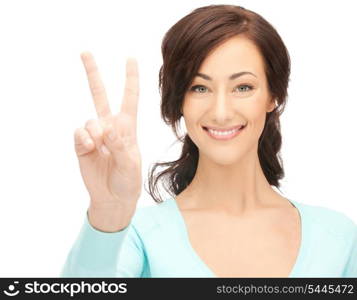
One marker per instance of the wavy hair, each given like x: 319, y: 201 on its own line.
x: 184, y: 47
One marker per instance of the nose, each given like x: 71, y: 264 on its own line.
x: 222, y: 110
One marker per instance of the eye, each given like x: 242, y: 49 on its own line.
x: 197, y: 86
x: 245, y: 85
x: 200, y: 88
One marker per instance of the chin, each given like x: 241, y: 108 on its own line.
x: 223, y: 158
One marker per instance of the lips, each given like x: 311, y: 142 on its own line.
x: 224, y: 129
x: 224, y: 135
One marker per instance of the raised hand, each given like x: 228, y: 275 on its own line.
x: 108, y: 152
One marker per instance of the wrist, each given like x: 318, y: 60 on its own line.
x: 108, y: 218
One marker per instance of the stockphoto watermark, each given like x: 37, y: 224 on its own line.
x: 71, y: 288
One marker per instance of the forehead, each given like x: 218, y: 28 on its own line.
x: 234, y: 55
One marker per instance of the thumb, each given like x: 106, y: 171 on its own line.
x: 112, y: 141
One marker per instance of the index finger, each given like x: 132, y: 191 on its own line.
x: 96, y: 85
x: 130, y: 100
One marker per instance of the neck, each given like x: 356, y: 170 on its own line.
x: 236, y: 189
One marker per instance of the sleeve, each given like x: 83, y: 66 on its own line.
x: 104, y: 254
x: 351, y: 266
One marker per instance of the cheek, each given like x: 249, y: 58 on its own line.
x: 191, y: 125
x: 192, y: 114
x: 255, y: 114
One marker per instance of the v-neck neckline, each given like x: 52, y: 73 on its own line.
x: 300, y: 259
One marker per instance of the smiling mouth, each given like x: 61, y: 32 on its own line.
x: 224, y: 135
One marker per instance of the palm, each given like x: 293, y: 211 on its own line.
x: 116, y: 177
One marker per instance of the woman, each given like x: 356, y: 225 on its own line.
x: 226, y: 72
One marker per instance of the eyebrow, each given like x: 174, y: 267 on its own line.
x: 233, y: 76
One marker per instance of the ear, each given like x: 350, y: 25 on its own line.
x: 272, y: 104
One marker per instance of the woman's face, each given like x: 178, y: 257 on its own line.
x: 221, y: 102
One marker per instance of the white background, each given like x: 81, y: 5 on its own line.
x: 45, y: 97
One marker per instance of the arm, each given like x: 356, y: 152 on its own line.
x: 101, y: 254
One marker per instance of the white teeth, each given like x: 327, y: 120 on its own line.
x: 222, y: 132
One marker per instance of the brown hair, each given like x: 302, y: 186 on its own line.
x: 184, y: 48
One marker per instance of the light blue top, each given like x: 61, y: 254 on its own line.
x: 156, y: 244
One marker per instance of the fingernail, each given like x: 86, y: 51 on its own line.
x: 88, y: 142
x: 105, y: 150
